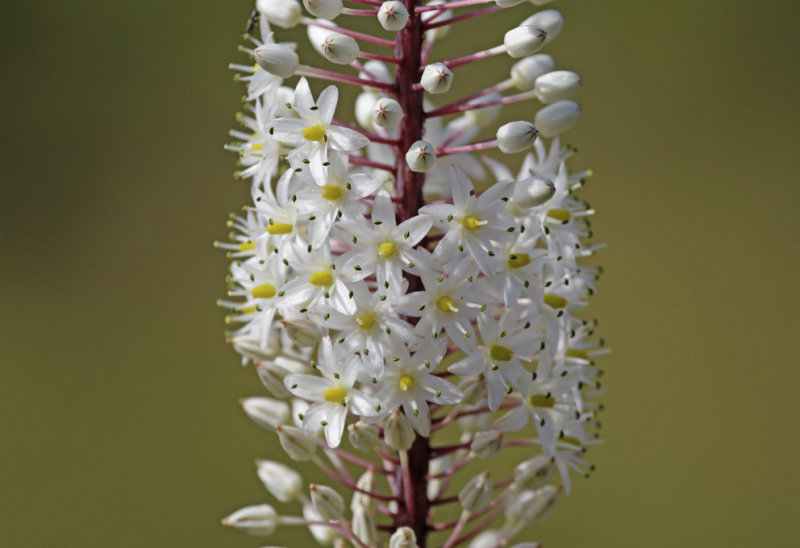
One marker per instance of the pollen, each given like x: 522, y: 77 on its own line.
x: 542, y: 400
x: 321, y: 278
x: 314, y: 133
x: 554, y: 301
x: 279, y: 228
x: 332, y: 192
x: 247, y: 246
x: 473, y: 222
x: 500, y: 353
x: 562, y: 215
x: 335, y: 394
x: 518, y: 260
x: 266, y: 291
x: 386, y: 250
x: 446, y: 304
x: 406, y: 383
x: 366, y: 321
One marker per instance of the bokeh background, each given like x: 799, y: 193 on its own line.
x: 120, y: 423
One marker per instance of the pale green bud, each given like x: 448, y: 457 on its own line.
x: 326, y: 9
x: 477, y: 493
x: 297, y: 444
x: 516, y: 136
x: 557, y: 118
x: 525, y: 71
x: 327, y: 502
x: 393, y: 15
x: 486, y: 444
x: 533, y: 473
x: 284, y: 483
x: 398, y: 432
x: 260, y: 520
x: 266, y: 412
x: 283, y: 13
x: 363, y: 436
x: 524, y: 40
x: 436, y: 78
x: 404, y: 537
x: 557, y: 85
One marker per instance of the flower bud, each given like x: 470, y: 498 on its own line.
x: 271, y: 376
x: 277, y: 59
x: 436, y: 466
x: 301, y: 331
x: 363, y: 108
x: 524, y: 40
x: 393, y: 15
x: 398, y: 432
x: 323, y: 534
x: 387, y: 112
x: 486, y: 444
x: 363, y: 526
x: 533, y: 473
x: 327, y: 502
x: 283, y: 13
x: 477, y: 493
x: 362, y: 500
x: 266, y: 412
x: 297, y: 444
x: 551, y: 21
x: 339, y: 48
x: 404, y: 537
x: 284, y: 483
x: 473, y: 388
x: 376, y: 70
x: 533, y: 507
x: 436, y: 78
x: 557, y: 85
x: 363, y: 436
x: 557, y: 118
x: 326, y: 9
x: 533, y: 191
x: 421, y: 156
x: 527, y: 70
x: 516, y: 136
x: 260, y: 520
x: 487, y: 539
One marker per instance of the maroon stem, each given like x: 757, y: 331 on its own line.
x: 408, y: 50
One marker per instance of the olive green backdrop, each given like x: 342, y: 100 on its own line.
x: 119, y: 420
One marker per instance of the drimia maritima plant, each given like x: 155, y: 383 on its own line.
x: 410, y: 304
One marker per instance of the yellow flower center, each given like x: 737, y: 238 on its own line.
x: 366, y: 321
x: 500, y: 353
x: 335, y: 394
x: 570, y: 440
x: 322, y: 278
x: 560, y: 214
x: 247, y: 246
x: 473, y: 222
x: 314, y: 133
x: 406, y: 383
x: 279, y: 228
x: 446, y: 304
x: 248, y: 309
x: 554, y: 301
x: 542, y: 400
x: 266, y: 291
x: 386, y: 250
x: 518, y: 260
x: 256, y: 146
x: 576, y: 353
x: 332, y: 192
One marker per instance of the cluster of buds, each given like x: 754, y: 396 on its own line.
x: 412, y: 306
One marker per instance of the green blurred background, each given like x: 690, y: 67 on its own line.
x: 119, y: 415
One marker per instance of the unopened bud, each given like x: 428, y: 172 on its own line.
x: 323, y: 534
x: 266, y: 412
x: 326, y: 9
x: 302, y: 332
x: 363, y: 526
x: 477, y: 493
x: 387, y: 112
x: 516, y: 136
x: 533, y: 507
x: 524, y: 40
x: 557, y: 85
x: 363, y: 436
x: 393, y: 15
x: 362, y: 500
x: 398, y: 432
x: 375, y: 70
x: 297, y: 444
x: 277, y: 59
x: 284, y: 483
x: 436, y: 78
x: 487, y: 539
x: 533, y: 191
x: 525, y: 71
x: 339, y: 48
x: 404, y: 537
x: 421, y: 157
x: 533, y: 473
x: 473, y: 389
x: 551, y: 21
x: 260, y: 520
x: 557, y: 118
x: 437, y: 466
x: 283, y: 13
x: 271, y: 376
x: 328, y: 502
x: 486, y: 444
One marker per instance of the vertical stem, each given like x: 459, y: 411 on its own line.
x: 408, y: 50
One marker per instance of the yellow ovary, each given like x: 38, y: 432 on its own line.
x: 500, y: 353
x: 406, y: 383
x: 560, y: 214
x: 446, y: 304
x: 335, y: 394
x: 332, y: 192
x: 266, y: 291
x: 366, y: 321
x: 279, y: 228
x: 386, y: 250
x: 576, y: 353
x: 314, y: 133
x: 473, y: 222
x: 322, y: 278
x: 570, y: 440
x: 542, y: 400
x: 554, y: 301
x: 518, y: 260
x: 247, y: 246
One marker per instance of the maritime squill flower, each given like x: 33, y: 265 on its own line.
x: 413, y: 276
